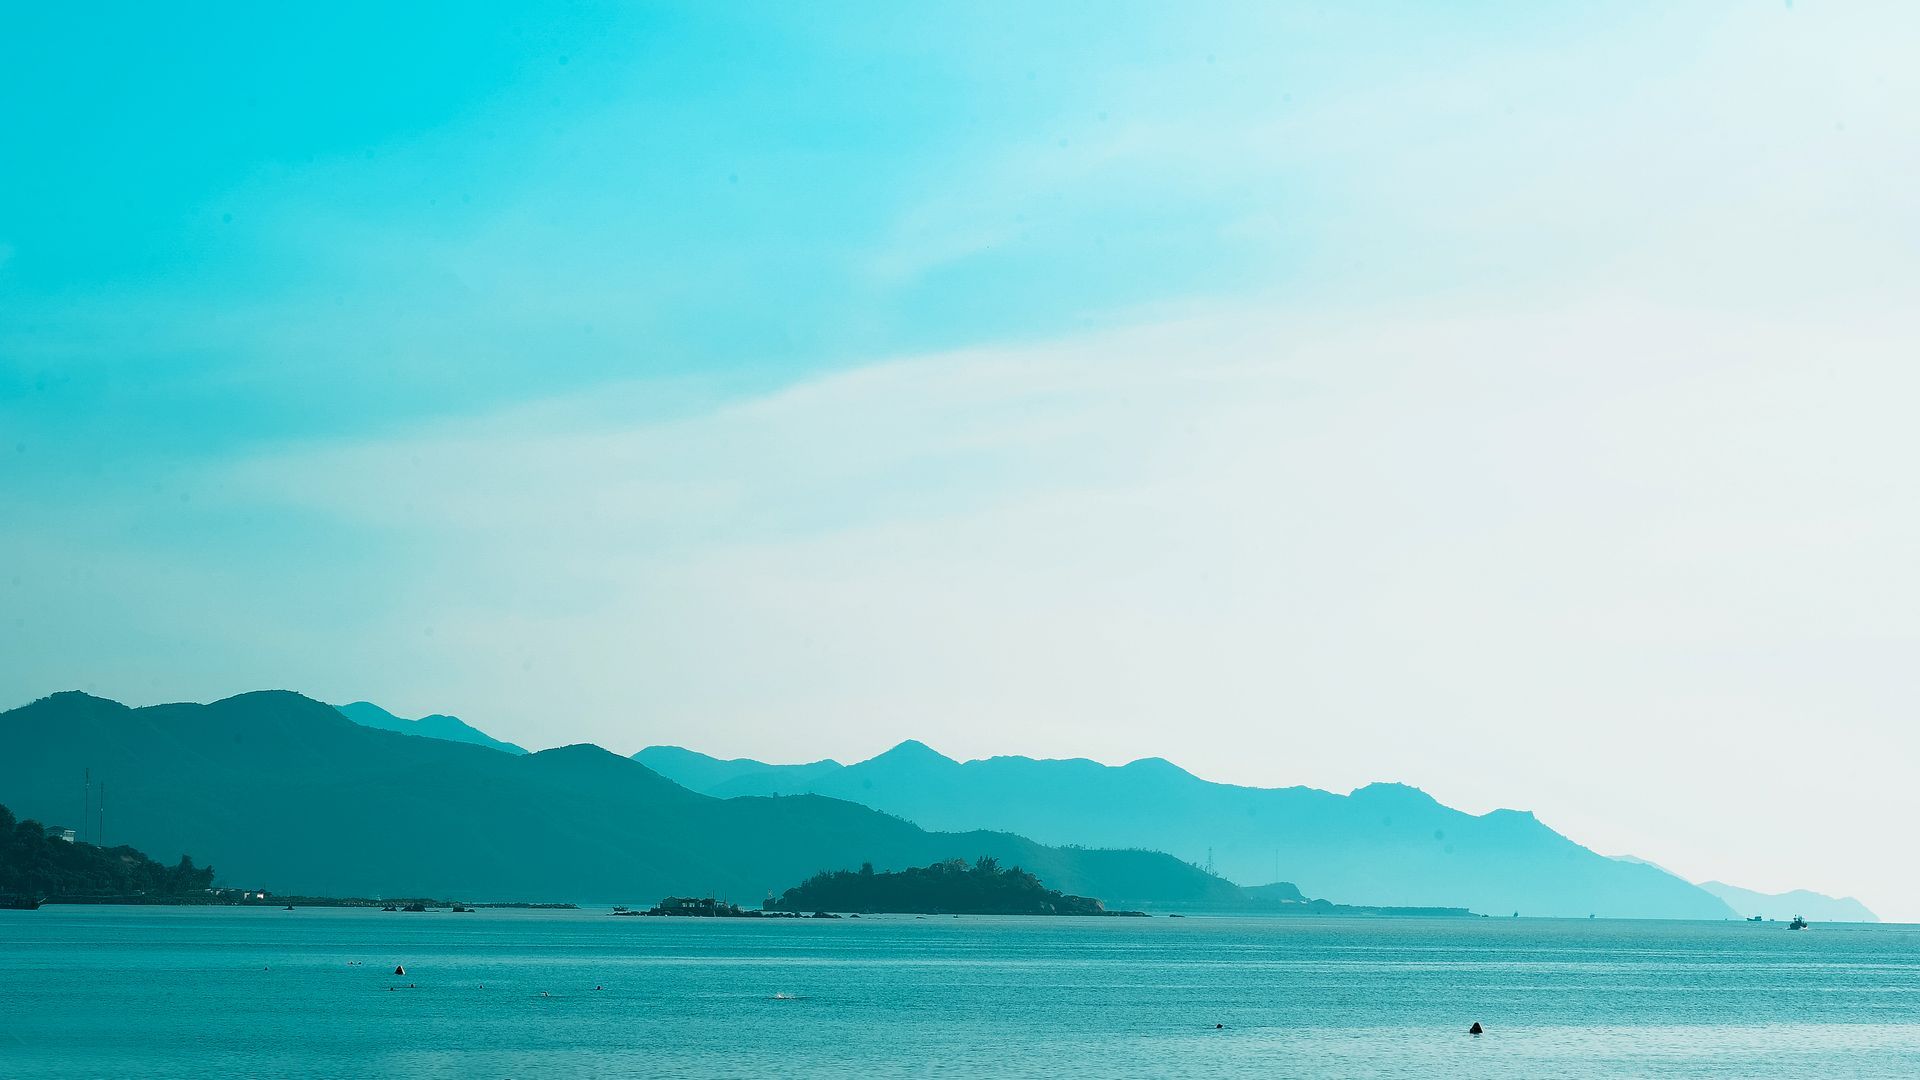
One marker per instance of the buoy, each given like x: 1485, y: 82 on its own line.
x: 1475, y: 1029
x: 399, y: 970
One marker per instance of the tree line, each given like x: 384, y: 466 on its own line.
x: 950, y: 887
x: 38, y: 861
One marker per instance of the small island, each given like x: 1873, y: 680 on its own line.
x: 946, y: 888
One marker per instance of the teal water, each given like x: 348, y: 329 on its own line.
x: 176, y: 992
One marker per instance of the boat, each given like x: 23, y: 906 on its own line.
x: 463, y: 909
x: 1798, y: 923
x: 1756, y: 918
x: 21, y: 903
x: 389, y: 907
x: 416, y: 906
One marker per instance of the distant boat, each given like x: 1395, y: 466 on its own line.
x: 1798, y: 923
x: 389, y: 907
x: 20, y: 903
x: 1756, y: 918
x: 415, y: 907
x: 463, y: 908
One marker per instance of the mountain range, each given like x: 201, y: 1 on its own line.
x: 287, y: 793
x: 283, y: 792
x: 437, y: 726
x: 1784, y: 906
x: 1382, y: 844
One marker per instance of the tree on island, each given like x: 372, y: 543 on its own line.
x: 944, y: 888
x: 36, y: 861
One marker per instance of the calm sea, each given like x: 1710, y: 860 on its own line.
x: 165, y: 992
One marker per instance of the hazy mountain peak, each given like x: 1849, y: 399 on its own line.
x: 912, y: 751
x: 434, y: 726
x: 1158, y: 765
x: 79, y: 696
x: 282, y: 698
x: 1783, y: 906
x: 704, y: 773
x: 1393, y: 791
x: 80, y: 699
x: 590, y: 761
x: 1517, y: 818
x: 570, y: 750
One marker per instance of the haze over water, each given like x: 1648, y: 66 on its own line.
x: 179, y: 992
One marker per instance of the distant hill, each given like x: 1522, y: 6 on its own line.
x: 1384, y: 844
x: 437, y: 726
x: 1784, y: 906
x: 284, y: 793
x: 700, y: 772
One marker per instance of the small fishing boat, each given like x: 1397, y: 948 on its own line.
x: 20, y: 903
x: 1798, y: 923
x: 416, y: 906
x: 1756, y: 918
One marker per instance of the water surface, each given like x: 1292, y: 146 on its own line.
x: 177, y: 992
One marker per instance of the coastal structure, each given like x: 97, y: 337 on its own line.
x: 696, y: 907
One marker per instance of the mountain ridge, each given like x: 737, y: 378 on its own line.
x: 1783, y: 906
x: 434, y: 726
x: 1383, y: 843
x: 284, y: 792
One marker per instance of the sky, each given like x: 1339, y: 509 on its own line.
x: 1512, y: 400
